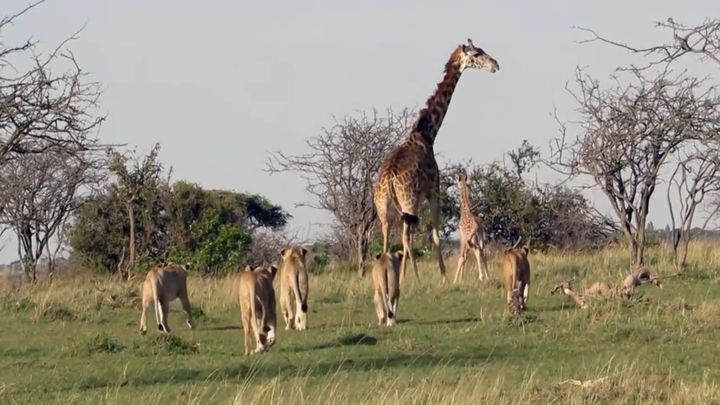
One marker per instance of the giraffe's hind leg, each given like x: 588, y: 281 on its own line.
x: 478, y: 248
x: 461, y: 263
x: 409, y: 222
x: 435, y: 214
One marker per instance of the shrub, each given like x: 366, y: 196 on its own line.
x: 104, y: 344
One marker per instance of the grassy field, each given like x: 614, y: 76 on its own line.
x: 76, y: 341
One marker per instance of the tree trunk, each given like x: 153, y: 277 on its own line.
x: 29, y: 268
x: 639, y: 258
x: 131, y: 245
x: 682, y: 263
x: 51, y: 262
x: 362, y: 244
x: 675, y: 245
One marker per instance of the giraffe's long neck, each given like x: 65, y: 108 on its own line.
x: 431, y: 117
x: 465, y: 199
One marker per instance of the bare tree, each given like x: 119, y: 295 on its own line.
x: 702, y: 40
x: 626, y: 135
x: 40, y: 191
x: 136, y: 180
x: 340, y: 168
x: 696, y: 174
x: 41, y: 109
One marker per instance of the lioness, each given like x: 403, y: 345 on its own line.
x: 516, y: 270
x: 386, y: 281
x: 162, y: 285
x: 254, y: 287
x: 294, y: 287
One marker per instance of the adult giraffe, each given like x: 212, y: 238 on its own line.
x: 409, y: 174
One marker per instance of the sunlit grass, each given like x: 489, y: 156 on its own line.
x: 76, y: 340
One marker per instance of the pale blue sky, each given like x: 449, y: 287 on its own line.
x: 221, y: 83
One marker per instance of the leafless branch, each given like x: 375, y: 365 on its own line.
x: 627, y: 133
x: 340, y: 168
x: 39, y: 193
x: 41, y: 110
x: 702, y: 40
x: 696, y: 174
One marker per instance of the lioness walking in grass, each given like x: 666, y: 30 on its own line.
x: 294, y: 287
x: 386, y: 283
x: 162, y: 285
x: 516, y: 272
x: 256, y: 296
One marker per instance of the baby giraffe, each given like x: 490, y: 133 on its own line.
x: 471, y: 234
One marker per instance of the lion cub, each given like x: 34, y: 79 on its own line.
x: 255, y: 288
x: 294, y: 287
x: 516, y: 271
x: 162, y: 285
x: 386, y: 282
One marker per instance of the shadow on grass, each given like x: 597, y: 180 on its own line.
x: 255, y: 372
x: 224, y: 327
x: 567, y: 306
x: 466, y: 319
x: 359, y: 339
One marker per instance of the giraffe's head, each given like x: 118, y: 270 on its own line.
x: 462, y: 178
x: 472, y: 57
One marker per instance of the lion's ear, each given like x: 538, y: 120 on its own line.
x: 273, y: 270
x: 282, y: 252
x: 399, y: 254
x: 304, y: 251
x: 526, y: 250
x: 378, y: 256
x: 248, y: 268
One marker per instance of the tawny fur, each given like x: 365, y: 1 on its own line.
x: 516, y: 274
x: 386, y: 284
x: 162, y: 285
x: 600, y: 289
x: 567, y: 289
x: 294, y: 288
x: 256, y: 297
x: 639, y: 276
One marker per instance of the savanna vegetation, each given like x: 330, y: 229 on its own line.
x: 76, y: 340
x: 69, y: 333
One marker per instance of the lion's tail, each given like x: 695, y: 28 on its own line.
x: 300, y: 288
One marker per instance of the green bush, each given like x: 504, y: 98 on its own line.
x: 169, y: 344
x: 104, y: 344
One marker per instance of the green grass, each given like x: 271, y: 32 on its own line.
x: 76, y: 341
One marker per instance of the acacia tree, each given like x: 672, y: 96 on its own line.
x: 510, y: 209
x: 340, y: 169
x: 47, y: 117
x: 627, y: 133
x: 696, y: 175
x: 137, y: 180
x: 40, y: 191
x: 46, y: 102
x: 702, y: 40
